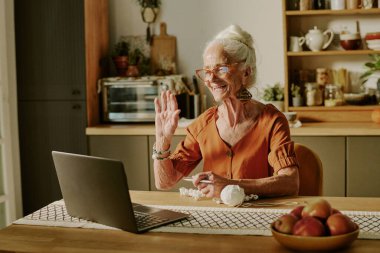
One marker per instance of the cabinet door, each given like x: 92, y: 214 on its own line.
x: 331, y: 151
x: 50, y: 49
x: 46, y: 126
x: 182, y: 183
x: 363, y: 166
x: 131, y: 150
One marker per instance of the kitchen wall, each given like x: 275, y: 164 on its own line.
x: 194, y: 22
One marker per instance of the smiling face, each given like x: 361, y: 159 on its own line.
x: 228, y: 85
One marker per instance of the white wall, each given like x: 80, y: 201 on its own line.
x: 194, y: 22
x: 9, y: 148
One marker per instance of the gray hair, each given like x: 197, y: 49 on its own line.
x: 238, y: 45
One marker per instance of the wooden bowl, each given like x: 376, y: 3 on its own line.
x: 315, y: 243
x: 290, y: 116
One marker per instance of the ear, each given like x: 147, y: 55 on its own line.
x: 247, y: 75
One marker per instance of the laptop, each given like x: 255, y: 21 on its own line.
x: 96, y: 189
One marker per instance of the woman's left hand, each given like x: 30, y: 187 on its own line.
x: 212, y: 189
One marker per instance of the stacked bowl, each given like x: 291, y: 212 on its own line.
x: 350, y: 41
x: 373, y: 40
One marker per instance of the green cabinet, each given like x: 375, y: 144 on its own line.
x: 331, y: 151
x: 131, y: 150
x: 350, y: 164
x: 363, y: 166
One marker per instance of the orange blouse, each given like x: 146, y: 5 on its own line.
x: 262, y: 152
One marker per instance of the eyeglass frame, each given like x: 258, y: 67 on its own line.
x: 214, y: 69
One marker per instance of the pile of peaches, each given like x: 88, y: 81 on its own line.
x: 317, y: 218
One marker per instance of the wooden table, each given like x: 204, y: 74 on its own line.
x: 23, y: 238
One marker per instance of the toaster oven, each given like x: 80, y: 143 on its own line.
x: 128, y: 100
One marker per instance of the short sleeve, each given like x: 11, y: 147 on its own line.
x: 281, y: 153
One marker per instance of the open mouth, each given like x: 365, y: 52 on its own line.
x: 219, y: 88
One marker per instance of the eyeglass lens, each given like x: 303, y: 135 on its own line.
x: 220, y: 72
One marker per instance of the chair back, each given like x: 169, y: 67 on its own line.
x: 310, y: 171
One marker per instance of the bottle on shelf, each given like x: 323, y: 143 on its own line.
x: 333, y: 95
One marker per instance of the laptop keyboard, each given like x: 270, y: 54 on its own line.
x: 147, y: 220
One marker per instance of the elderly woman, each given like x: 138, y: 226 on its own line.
x: 241, y: 141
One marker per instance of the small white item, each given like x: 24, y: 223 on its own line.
x: 232, y: 195
x: 367, y: 4
x: 317, y: 40
x: 194, y: 193
x: 338, y: 4
x: 296, y: 43
x: 190, y: 179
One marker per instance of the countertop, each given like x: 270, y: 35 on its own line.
x: 307, y: 129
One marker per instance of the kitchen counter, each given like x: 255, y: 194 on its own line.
x: 307, y: 129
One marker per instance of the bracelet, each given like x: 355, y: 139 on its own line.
x: 164, y: 152
x: 160, y: 158
x: 158, y: 155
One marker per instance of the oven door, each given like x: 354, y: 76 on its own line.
x: 130, y: 102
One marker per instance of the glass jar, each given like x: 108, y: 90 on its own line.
x: 313, y: 94
x: 333, y: 95
x: 322, y: 76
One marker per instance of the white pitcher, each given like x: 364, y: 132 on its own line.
x: 316, y: 40
x: 296, y: 43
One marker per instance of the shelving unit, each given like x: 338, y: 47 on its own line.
x: 292, y: 20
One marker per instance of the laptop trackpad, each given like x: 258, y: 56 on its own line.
x: 145, y: 209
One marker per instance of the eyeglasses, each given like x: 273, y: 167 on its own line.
x: 220, y: 71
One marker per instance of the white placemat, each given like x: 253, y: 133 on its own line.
x: 203, y: 220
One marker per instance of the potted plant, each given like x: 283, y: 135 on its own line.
x: 297, y: 99
x: 275, y: 95
x: 120, y: 57
x: 371, y: 77
x: 134, y: 59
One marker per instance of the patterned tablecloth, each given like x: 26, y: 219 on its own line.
x: 203, y: 220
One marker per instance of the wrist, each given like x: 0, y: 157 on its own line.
x: 162, y: 143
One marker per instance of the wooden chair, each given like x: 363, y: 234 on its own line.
x: 310, y: 171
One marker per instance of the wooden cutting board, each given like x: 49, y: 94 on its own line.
x: 163, y: 52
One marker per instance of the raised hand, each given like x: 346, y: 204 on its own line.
x: 166, y: 121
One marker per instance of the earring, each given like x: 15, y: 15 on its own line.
x: 244, y: 94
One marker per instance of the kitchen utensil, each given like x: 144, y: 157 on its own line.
x: 350, y: 41
x: 352, y: 4
x: 354, y: 98
x: 367, y: 4
x: 290, y: 116
x: 372, y: 36
x: 190, y: 179
x: 163, y: 52
x: 305, y: 5
x: 296, y: 43
x: 338, y: 4
x: 316, y: 40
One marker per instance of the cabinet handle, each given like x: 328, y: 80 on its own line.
x: 75, y: 92
x: 77, y: 107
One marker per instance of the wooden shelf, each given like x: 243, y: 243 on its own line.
x: 332, y: 52
x: 292, y: 21
x: 333, y: 12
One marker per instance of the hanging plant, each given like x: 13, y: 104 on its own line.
x: 149, y: 3
x: 149, y: 12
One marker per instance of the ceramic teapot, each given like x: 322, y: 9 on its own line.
x: 316, y: 40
